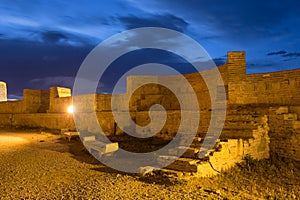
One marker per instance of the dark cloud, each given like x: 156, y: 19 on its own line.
x: 253, y: 68
x: 22, y: 61
x: 57, y: 37
x: 295, y: 54
x: 165, y: 21
x: 287, y: 60
x: 285, y: 54
x: 47, y: 82
x: 219, y: 61
x: 37, y: 40
x: 238, y: 21
x: 276, y: 53
x: 53, y: 36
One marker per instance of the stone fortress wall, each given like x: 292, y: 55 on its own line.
x: 264, y: 107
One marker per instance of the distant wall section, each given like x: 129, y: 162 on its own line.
x: 276, y: 88
x: 3, y: 91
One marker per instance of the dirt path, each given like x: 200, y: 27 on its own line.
x: 43, y: 166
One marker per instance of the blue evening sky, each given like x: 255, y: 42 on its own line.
x: 43, y: 43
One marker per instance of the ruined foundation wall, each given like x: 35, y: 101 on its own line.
x: 285, y: 132
x: 12, y: 107
x: 48, y: 108
x: 38, y: 120
x: 34, y: 101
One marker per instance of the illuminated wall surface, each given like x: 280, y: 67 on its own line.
x: 254, y: 100
x: 3, y: 94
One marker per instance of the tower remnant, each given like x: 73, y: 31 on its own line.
x: 3, y: 91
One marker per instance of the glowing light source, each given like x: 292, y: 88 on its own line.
x: 71, y: 109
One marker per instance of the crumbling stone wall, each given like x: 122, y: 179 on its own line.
x: 59, y: 99
x: 12, y: 107
x: 3, y: 91
x: 258, y: 91
x: 55, y: 121
x: 285, y: 132
x: 36, y: 101
x: 276, y: 88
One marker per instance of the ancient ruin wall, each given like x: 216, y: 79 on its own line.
x: 279, y: 88
x: 276, y: 88
x: 285, y: 131
x: 36, y: 101
x: 3, y: 91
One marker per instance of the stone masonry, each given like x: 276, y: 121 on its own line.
x: 261, y: 118
x: 3, y: 95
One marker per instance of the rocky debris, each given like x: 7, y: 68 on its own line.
x: 58, y: 169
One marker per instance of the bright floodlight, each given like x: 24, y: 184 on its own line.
x: 71, y: 109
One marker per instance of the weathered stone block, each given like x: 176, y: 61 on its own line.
x: 290, y: 116
x: 282, y: 110
x: 296, y: 125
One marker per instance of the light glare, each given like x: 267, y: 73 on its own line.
x: 71, y: 109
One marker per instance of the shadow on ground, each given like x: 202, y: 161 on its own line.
x: 79, y: 152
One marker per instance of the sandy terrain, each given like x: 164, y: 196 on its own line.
x: 44, y: 166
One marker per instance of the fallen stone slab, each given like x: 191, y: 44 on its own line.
x: 69, y: 134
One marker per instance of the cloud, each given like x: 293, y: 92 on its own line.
x: 93, y: 21
x: 12, y: 97
x: 63, y: 38
x: 53, y: 36
x: 20, y: 20
x: 166, y: 21
x: 46, y: 35
x: 68, y: 82
x: 295, y: 54
x: 234, y: 21
x: 37, y: 40
x: 47, y: 82
x: 285, y: 54
x: 219, y: 61
x: 263, y: 67
x: 276, y: 53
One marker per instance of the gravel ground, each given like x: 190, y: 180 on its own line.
x: 43, y: 166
